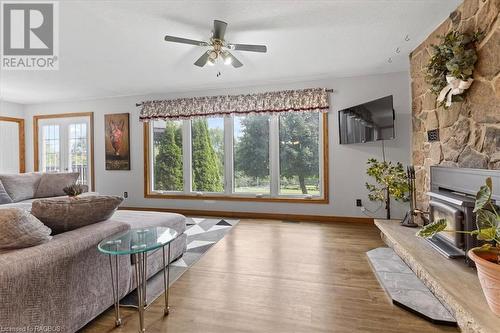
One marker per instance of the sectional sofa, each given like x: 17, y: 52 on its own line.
x: 63, y: 284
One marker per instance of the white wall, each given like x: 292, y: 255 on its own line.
x: 14, y: 110
x: 347, y: 162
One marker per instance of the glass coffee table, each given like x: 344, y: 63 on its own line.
x: 138, y: 242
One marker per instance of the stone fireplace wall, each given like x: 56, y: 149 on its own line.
x: 469, y: 131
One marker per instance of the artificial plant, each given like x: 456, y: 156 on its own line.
x: 487, y: 222
x: 74, y: 190
x: 391, y: 182
x: 453, y: 59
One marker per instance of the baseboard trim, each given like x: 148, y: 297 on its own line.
x: 251, y: 215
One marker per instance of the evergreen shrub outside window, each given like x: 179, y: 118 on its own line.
x: 207, y: 149
x: 167, y: 155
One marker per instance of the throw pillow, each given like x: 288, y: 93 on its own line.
x: 21, y: 186
x: 4, y: 196
x: 65, y: 214
x: 19, y: 229
x: 52, y: 184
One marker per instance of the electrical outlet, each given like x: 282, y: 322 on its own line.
x: 125, y: 195
x: 359, y: 203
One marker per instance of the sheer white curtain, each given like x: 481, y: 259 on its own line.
x: 9, y: 147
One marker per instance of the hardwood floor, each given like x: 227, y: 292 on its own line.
x: 272, y: 276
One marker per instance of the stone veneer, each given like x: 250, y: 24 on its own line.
x: 470, y: 130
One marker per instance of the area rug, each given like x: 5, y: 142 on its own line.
x: 202, y: 234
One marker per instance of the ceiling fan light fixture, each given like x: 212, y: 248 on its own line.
x: 226, y: 58
x: 217, y: 45
x: 212, y: 55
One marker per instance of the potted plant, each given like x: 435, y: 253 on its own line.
x: 74, y: 190
x: 392, y: 182
x: 486, y: 257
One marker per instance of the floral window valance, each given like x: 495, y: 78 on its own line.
x: 269, y: 102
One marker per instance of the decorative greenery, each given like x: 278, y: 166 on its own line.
x: 168, y: 158
x: 392, y: 182
x: 455, y: 56
x: 487, y: 221
x: 74, y: 190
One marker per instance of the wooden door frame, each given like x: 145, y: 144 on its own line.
x: 22, y: 142
x: 36, y: 157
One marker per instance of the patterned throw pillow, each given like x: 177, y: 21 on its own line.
x: 19, y: 229
x: 65, y: 214
x: 4, y: 196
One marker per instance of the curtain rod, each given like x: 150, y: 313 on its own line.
x: 327, y: 90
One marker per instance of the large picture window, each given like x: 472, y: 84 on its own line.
x: 248, y: 157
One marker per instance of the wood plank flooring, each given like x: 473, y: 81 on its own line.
x: 273, y: 276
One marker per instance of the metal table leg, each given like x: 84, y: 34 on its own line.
x: 166, y: 277
x: 115, y: 286
x: 140, y: 276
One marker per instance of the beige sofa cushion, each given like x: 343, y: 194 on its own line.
x: 65, y: 214
x: 21, y: 186
x: 52, y: 184
x: 19, y: 229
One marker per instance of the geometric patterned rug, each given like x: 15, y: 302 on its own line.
x: 202, y: 234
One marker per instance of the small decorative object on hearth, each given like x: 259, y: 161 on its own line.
x: 486, y: 257
x: 450, y: 68
x: 74, y: 190
x: 392, y: 182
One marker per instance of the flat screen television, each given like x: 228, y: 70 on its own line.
x: 371, y: 121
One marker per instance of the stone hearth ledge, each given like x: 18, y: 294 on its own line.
x: 455, y: 284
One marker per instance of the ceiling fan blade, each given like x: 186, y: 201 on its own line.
x: 202, y: 61
x: 219, y: 29
x: 234, y: 62
x: 248, y: 47
x: 185, y: 41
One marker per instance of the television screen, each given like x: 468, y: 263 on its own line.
x: 371, y: 121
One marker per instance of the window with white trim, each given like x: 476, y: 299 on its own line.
x: 254, y: 156
x: 64, y: 146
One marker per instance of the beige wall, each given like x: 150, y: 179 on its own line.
x: 469, y: 130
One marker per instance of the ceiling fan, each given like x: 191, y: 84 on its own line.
x: 218, y: 47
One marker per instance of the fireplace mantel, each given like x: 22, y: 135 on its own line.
x: 454, y: 283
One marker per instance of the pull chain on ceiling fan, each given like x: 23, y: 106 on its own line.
x: 218, y: 47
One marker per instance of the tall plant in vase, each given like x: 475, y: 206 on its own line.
x: 391, y: 181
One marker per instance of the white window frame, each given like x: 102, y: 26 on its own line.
x: 229, y: 193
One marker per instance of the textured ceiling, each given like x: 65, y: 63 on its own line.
x: 116, y: 48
